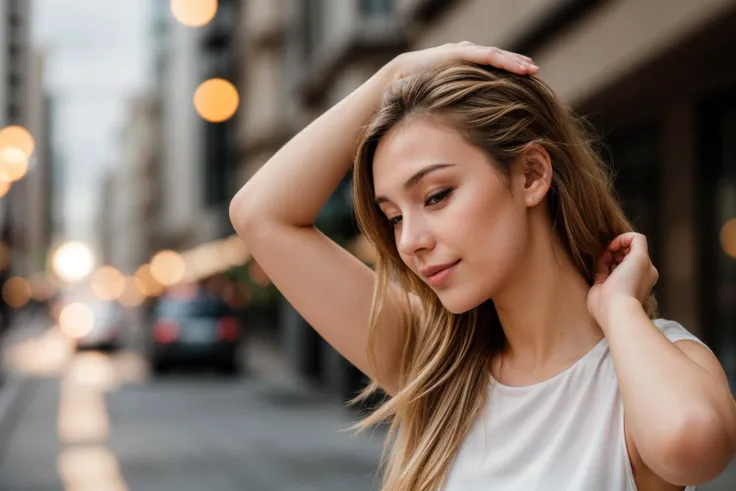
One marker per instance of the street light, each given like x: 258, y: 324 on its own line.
x: 216, y: 100
x: 194, y: 13
x: 73, y: 261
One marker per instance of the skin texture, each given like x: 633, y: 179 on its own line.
x: 434, y: 218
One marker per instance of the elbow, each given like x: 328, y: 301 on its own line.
x: 239, y: 212
x: 697, y: 451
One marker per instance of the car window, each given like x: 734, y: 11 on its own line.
x: 201, y: 306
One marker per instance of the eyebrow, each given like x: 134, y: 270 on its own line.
x: 414, y: 180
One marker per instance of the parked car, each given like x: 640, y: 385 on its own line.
x: 200, y: 330
x: 107, y: 329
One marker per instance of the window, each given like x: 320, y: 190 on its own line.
x: 717, y: 216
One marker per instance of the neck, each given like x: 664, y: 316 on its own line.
x: 544, y: 311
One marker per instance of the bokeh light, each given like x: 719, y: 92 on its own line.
x: 216, y: 100
x: 728, y: 237
x: 146, y: 283
x: 13, y: 163
x: 234, y: 251
x: 17, y: 137
x: 73, y: 261
x: 4, y: 256
x: 167, y: 267
x: 194, y: 13
x: 76, y: 320
x: 5, y: 183
x: 108, y: 283
x: 131, y: 296
x: 16, y: 292
x: 42, y: 287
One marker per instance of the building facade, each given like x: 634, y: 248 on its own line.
x: 195, y: 159
x: 125, y: 222
x: 27, y: 211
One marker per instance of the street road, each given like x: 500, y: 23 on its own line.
x: 96, y: 422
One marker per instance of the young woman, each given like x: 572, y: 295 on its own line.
x: 509, y: 316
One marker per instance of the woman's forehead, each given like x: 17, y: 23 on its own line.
x: 414, y: 145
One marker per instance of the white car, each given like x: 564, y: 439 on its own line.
x: 107, y: 330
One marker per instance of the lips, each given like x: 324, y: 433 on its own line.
x: 433, y: 270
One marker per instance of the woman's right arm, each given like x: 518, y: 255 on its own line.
x: 275, y: 211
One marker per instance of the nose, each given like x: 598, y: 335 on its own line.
x: 414, y: 236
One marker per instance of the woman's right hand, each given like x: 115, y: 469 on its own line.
x: 416, y: 61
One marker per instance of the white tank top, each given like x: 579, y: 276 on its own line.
x: 565, y: 433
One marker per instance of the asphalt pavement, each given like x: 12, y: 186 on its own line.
x: 96, y: 422
x: 99, y: 422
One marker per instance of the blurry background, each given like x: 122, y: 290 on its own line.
x: 127, y: 125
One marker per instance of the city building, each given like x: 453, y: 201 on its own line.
x: 126, y: 223
x: 27, y: 211
x: 195, y: 158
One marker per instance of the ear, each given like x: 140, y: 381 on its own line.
x: 534, y: 175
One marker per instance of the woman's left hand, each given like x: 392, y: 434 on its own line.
x: 623, y: 272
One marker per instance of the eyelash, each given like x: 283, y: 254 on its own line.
x: 439, y: 197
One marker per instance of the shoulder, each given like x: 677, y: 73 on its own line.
x: 675, y: 332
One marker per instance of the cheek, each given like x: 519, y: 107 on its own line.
x: 494, y: 234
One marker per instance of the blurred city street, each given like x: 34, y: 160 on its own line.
x: 128, y: 126
x: 93, y: 421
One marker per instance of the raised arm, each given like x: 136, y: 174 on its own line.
x: 275, y: 210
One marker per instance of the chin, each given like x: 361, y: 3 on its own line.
x: 460, y: 300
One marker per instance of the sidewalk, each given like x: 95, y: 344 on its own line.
x: 15, y: 386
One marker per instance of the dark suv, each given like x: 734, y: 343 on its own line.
x: 200, y: 330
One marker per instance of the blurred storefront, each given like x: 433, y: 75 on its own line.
x: 653, y: 77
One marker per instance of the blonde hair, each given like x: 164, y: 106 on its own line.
x: 446, y: 358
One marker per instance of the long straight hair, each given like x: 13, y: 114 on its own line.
x: 446, y: 358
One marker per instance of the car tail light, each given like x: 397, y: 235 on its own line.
x: 165, y: 332
x: 228, y: 329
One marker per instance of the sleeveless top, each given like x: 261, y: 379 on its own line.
x: 563, y: 434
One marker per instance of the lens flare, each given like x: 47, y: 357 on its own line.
x: 216, y: 100
x: 728, y: 237
x: 76, y: 320
x: 17, y: 292
x: 73, y: 261
x: 13, y: 163
x: 168, y: 267
x: 108, y: 283
x: 194, y: 13
x: 19, y: 137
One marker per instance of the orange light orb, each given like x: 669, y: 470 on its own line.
x: 216, y: 100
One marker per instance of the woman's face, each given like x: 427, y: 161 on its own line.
x: 457, y: 224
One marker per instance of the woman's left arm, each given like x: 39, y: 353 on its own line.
x: 678, y: 406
